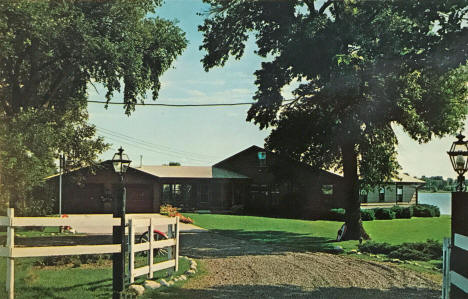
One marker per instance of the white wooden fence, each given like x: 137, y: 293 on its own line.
x: 451, y: 277
x: 11, y: 252
x: 172, y: 242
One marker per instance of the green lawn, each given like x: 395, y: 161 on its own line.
x: 320, y: 234
x: 85, y: 281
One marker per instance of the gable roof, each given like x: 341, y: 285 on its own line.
x: 164, y: 171
x: 253, y: 147
x: 290, y: 160
x: 404, y: 178
x: 196, y: 172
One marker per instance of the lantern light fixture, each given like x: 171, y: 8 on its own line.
x: 458, y: 154
x: 121, y: 162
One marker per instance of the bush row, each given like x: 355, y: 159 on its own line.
x: 424, y: 251
x: 398, y: 212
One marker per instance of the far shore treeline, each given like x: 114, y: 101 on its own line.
x: 438, y: 184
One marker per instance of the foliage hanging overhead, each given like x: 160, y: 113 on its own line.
x: 50, y: 53
x: 358, y: 67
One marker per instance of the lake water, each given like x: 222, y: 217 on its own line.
x: 442, y: 200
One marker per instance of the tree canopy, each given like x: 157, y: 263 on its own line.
x: 358, y: 68
x: 51, y: 52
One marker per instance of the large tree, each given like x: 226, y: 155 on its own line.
x: 359, y: 68
x: 51, y: 52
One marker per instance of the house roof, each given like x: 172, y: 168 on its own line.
x: 164, y: 171
x: 255, y: 148
x: 198, y: 172
x: 404, y: 178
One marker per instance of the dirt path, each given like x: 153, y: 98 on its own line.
x: 240, y: 269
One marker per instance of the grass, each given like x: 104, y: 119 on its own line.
x: 86, y: 281
x: 320, y: 235
x: 39, y: 232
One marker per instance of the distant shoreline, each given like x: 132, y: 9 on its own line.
x: 425, y: 191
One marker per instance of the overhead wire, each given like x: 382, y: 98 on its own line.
x: 179, y: 105
x: 159, y: 147
x: 116, y: 139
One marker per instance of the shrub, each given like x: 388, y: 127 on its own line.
x: 376, y: 248
x: 336, y: 214
x: 402, y: 212
x: 173, y: 212
x: 424, y: 251
x: 184, y: 219
x: 408, y: 253
x: 423, y: 210
x: 381, y: 214
x: 367, y: 215
x: 168, y: 210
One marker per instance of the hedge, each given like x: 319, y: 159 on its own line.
x: 336, y: 214
x: 424, y: 210
x: 424, y: 251
x: 367, y: 215
x: 382, y: 214
x: 402, y: 212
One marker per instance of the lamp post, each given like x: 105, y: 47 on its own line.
x: 458, y: 154
x: 121, y: 162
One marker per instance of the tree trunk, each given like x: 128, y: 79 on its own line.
x: 354, y: 228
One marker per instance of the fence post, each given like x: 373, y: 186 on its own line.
x: 131, y: 244
x: 151, y: 249
x: 177, y: 245
x: 446, y: 268
x: 10, y: 278
x: 170, y: 233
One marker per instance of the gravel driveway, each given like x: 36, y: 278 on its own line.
x: 242, y: 269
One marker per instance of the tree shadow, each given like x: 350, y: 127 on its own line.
x: 104, y: 287
x: 292, y: 291
x: 226, y: 243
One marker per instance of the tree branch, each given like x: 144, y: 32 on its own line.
x: 310, y: 5
x: 324, y: 6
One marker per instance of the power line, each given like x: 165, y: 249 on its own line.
x: 149, y: 144
x: 175, y: 105
x: 154, y: 151
x: 147, y: 148
x: 181, y: 105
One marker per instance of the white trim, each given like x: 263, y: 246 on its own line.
x: 459, y: 280
x: 461, y: 241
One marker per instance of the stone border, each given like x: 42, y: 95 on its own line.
x: 139, y: 290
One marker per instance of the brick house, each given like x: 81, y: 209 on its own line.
x: 261, y: 181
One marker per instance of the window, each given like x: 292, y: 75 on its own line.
x: 262, y: 159
x: 382, y: 194
x: 254, y: 189
x: 275, y: 192
x: 166, y: 194
x: 363, y: 196
x: 399, y: 193
x: 327, y: 189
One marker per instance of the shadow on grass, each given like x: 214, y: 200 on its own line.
x: 225, y: 243
x: 95, y: 289
x: 291, y: 291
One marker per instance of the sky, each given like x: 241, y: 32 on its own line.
x: 206, y: 135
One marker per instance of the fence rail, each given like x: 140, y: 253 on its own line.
x: 11, y: 252
x: 172, y: 242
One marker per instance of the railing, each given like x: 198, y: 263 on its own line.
x: 172, y: 242
x: 458, y: 253
x: 11, y: 252
x: 446, y: 268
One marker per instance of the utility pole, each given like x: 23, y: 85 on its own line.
x: 61, y: 167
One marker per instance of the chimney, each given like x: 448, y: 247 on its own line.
x: 141, y: 161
